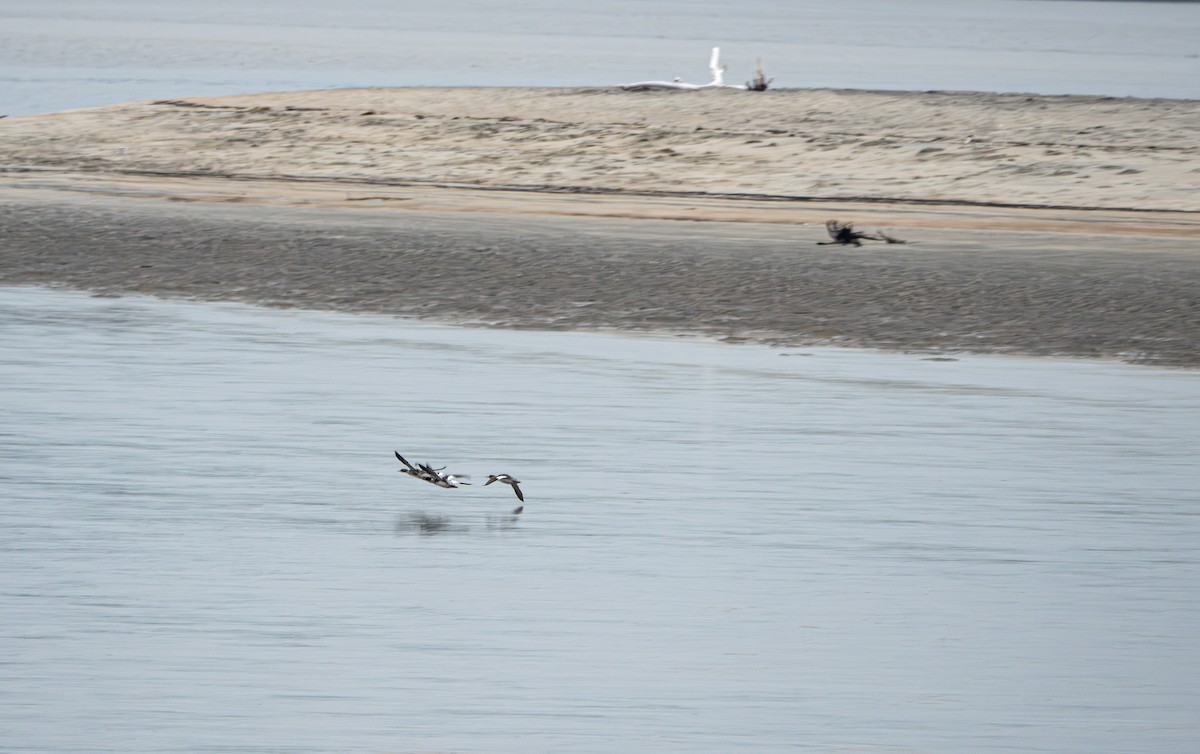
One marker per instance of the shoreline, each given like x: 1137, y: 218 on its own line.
x: 149, y: 182
x: 435, y: 209
x: 409, y: 196
x: 948, y: 291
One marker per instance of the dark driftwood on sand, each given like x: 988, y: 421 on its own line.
x: 844, y: 234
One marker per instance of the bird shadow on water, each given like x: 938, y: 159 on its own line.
x: 426, y: 524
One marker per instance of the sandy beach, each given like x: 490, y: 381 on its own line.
x: 1035, y: 225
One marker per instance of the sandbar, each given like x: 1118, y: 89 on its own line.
x: 1035, y: 225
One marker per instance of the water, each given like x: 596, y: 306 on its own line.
x: 206, y: 545
x: 77, y: 53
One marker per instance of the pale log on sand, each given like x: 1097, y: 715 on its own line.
x: 759, y: 84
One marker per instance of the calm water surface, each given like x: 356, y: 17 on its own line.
x: 62, y: 54
x: 205, y: 545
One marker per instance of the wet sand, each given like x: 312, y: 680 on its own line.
x: 1036, y: 225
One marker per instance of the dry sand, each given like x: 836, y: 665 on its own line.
x: 1039, y: 225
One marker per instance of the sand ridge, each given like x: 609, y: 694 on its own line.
x: 833, y: 145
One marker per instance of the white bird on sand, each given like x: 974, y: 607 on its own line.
x: 506, y: 479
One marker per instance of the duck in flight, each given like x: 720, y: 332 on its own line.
x: 427, y: 473
x: 413, y: 471
x: 506, y: 479
x: 449, y: 481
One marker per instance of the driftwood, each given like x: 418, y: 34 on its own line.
x: 760, y: 83
x: 844, y: 234
x: 889, y: 239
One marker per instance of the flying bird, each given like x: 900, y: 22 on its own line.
x: 449, y: 481
x: 413, y: 471
x: 506, y: 479
x: 427, y: 473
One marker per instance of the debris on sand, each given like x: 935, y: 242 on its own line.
x: 759, y: 84
x: 844, y: 234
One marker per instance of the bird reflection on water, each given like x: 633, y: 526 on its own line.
x: 430, y: 524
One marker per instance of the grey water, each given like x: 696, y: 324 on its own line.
x: 205, y: 545
x: 66, y: 54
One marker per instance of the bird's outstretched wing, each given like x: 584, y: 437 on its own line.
x: 434, y: 474
x: 517, y: 490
